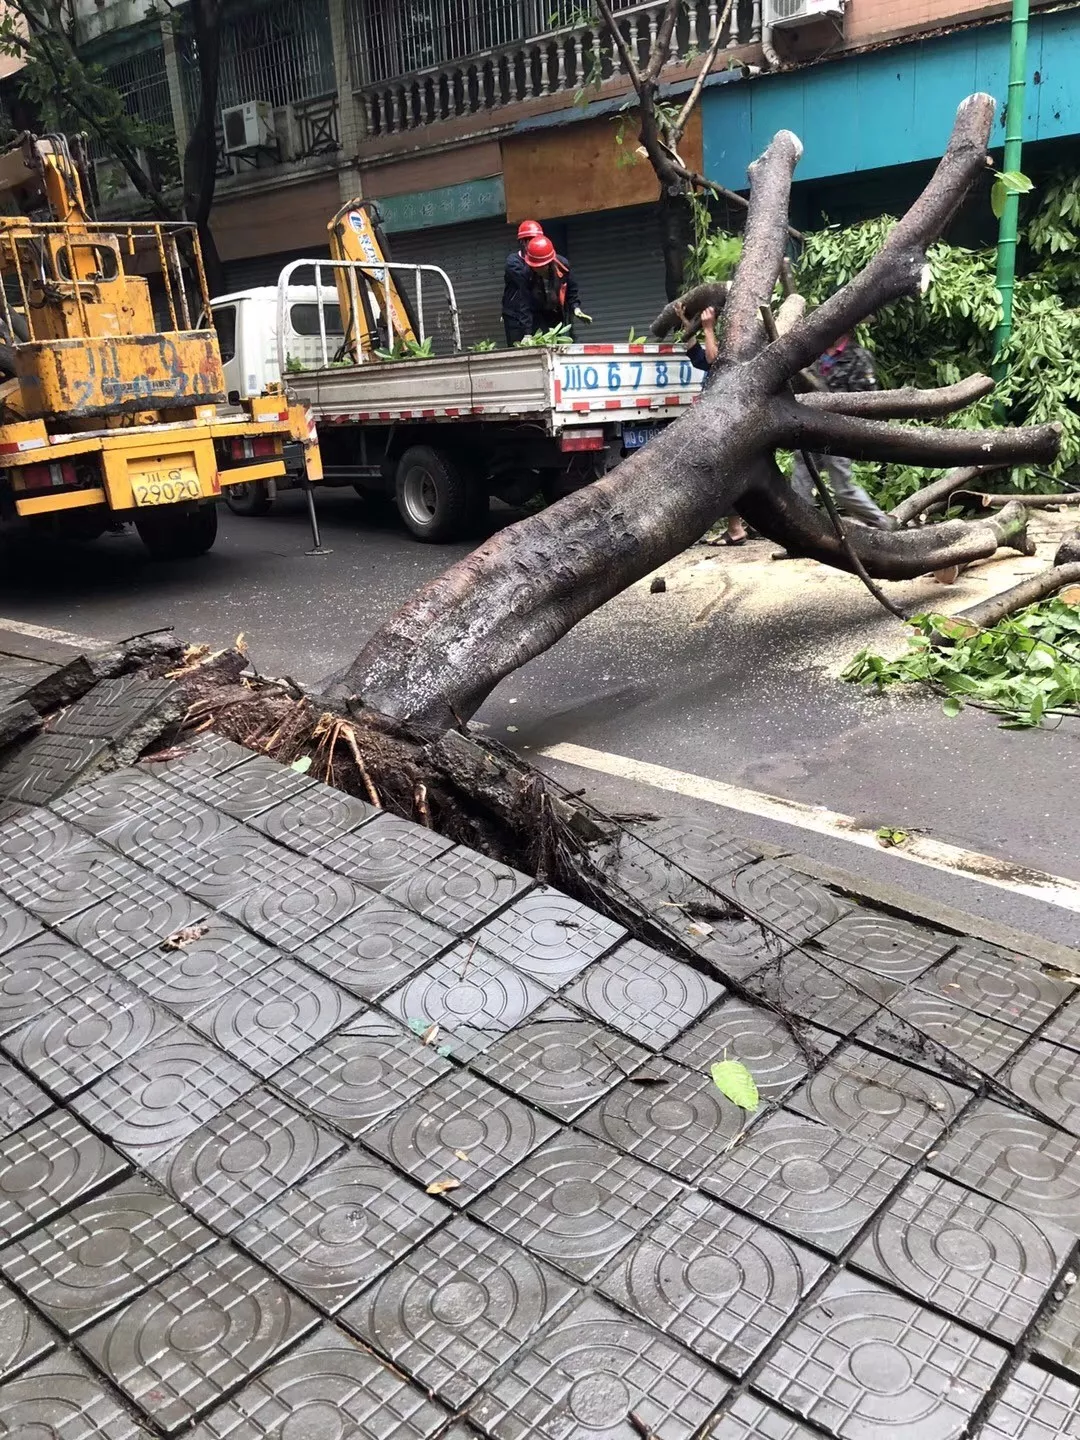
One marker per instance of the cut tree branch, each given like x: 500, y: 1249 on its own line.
x: 685, y: 313
x: 907, y: 403
x: 940, y: 489
x: 764, y: 242
x: 1032, y: 502
x: 1028, y: 592
x: 832, y: 434
x: 899, y: 266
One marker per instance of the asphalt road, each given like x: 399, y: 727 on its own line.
x: 739, y: 695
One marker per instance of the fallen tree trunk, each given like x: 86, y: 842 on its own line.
x: 435, y: 661
x: 1019, y: 597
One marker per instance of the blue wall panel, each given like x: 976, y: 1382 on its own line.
x: 894, y: 106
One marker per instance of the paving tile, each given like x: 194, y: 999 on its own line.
x: 1064, y: 1029
x: 167, y: 835
x: 335, y: 1232
x: 117, y: 799
x: 1011, y: 1157
x: 33, y: 841
x: 459, y: 889
x: 228, y: 861
x: 228, y: 1169
x: 276, y: 1015
x: 76, y: 875
x: 974, y: 1258
x: 85, y: 1264
x: 204, y: 755
x: 838, y: 996
x: 884, y: 944
x: 577, y: 1203
x: 587, y: 1376
x: 60, y: 1398
x: 645, y: 994
x: 1034, y: 1405
x: 382, y: 852
x: 45, y: 766
x: 457, y: 1308
x: 187, y: 977
x: 1047, y: 1077
x: 549, y: 936
x: 246, y: 790
x: 559, y: 1060
x: 473, y: 996
x: 714, y: 1280
x: 327, y: 1387
x: 1058, y: 1339
x: 707, y: 853
x: 768, y: 1046
x: 20, y: 1100
x: 180, y: 1347
x: 361, y: 1074
x: 23, y: 1337
x: 862, y: 1361
x: 678, y: 1120
x: 297, y: 902
x: 151, y: 1102
x: 82, y: 1037
x: 653, y: 880
x: 41, y: 973
x: 138, y: 916
x: 796, y: 906
x: 942, y: 1036
x: 46, y: 1168
x: 16, y: 925
x: 375, y: 948
x: 314, y: 819
x: 460, y: 1116
x: 998, y: 984
x: 806, y: 1179
x: 733, y: 948
x: 749, y: 1418
x: 114, y: 708
x: 901, y: 1110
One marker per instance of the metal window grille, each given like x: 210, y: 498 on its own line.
x: 142, y: 83
x: 282, y: 53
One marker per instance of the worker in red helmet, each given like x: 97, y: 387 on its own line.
x: 552, y: 290
x: 516, y: 310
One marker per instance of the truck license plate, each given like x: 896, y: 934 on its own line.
x: 165, y: 487
x: 634, y: 436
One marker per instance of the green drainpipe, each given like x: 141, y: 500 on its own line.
x: 1014, y: 140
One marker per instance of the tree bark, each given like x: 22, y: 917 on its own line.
x: 435, y: 661
x: 940, y: 489
x: 200, y: 156
x: 1037, y: 587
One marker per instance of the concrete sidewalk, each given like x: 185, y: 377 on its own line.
x: 247, y: 1188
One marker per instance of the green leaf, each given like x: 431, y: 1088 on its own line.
x: 998, y: 196
x: 733, y: 1079
x: 951, y: 705
x: 301, y: 766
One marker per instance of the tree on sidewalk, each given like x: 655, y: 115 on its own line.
x: 435, y: 661
x: 71, y: 94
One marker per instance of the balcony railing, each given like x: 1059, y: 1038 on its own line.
x: 568, y: 59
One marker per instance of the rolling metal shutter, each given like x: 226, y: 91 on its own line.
x: 619, y: 267
x: 474, y: 256
x: 265, y: 269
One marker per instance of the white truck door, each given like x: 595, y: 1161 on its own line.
x: 227, y: 324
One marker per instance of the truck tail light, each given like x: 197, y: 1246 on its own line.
x: 581, y: 440
x: 56, y: 476
x: 250, y: 447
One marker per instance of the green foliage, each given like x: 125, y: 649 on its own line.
x: 557, y: 335
x: 1025, y: 667
x: 1006, y: 183
x: 407, y: 350
x: 481, y: 347
x: 733, y: 1079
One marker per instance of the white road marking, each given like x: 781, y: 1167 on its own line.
x: 45, y: 632
x: 919, y: 849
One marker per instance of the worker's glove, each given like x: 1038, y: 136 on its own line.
x: 582, y: 316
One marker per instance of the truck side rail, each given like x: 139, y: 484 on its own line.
x: 372, y: 271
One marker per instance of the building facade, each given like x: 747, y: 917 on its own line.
x: 461, y: 117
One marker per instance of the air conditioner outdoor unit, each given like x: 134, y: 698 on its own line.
x: 248, y: 127
x: 797, y: 12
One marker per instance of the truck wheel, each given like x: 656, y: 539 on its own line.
x: 178, y: 534
x: 249, y: 498
x: 432, y: 494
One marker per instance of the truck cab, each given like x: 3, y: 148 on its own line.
x: 246, y: 322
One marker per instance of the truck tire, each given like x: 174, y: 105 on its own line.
x: 433, y: 495
x: 178, y: 534
x: 251, y: 497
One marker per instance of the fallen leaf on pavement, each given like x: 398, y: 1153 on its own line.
x: 440, y: 1187
x: 185, y: 936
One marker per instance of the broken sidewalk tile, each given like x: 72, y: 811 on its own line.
x: 112, y: 709
x: 940, y: 1036
x: 837, y: 996
x: 994, y: 983
x: 48, y: 765
x: 888, y: 947
x: 778, y: 1053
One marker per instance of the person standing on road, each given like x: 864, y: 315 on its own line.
x: 703, y: 355
x: 516, y: 309
x: 844, y: 366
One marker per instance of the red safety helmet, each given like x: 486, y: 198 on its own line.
x: 539, y: 252
x: 530, y: 229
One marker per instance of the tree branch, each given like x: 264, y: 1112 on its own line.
x: 619, y: 41
x: 898, y: 267
x: 903, y: 404
x: 702, y: 75
x: 940, y: 489
x: 833, y: 434
x: 683, y: 314
x: 661, y: 49
x: 1036, y: 587
x: 764, y: 242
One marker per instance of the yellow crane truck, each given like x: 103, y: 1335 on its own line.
x: 106, y: 415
